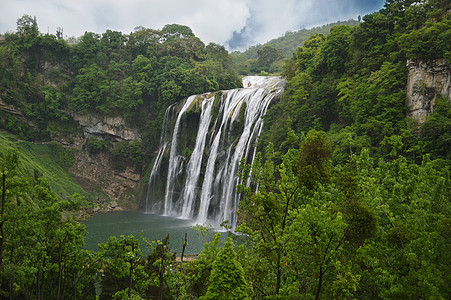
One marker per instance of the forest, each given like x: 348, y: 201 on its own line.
x: 348, y: 197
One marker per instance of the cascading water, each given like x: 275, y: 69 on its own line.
x: 211, y: 135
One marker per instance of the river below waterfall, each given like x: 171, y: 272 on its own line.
x: 154, y: 227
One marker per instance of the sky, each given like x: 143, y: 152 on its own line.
x: 236, y: 24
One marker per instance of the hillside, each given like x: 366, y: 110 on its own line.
x: 347, y: 195
x: 104, y: 96
x: 270, y: 57
x: 291, y: 40
x: 47, y: 160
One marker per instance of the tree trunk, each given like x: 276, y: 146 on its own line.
x: 11, y: 285
x: 130, y: 284
x: 183, y: 251
x: 74, y: 283
x: 161, y: 275
x: 279, y: 274
x: 2, y: 212
x: 60, y: 272
x: 320, y: 281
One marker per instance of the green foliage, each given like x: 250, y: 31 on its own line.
x: 37, y: 245
x: 335, y: 50
x: 96, y: 145
x: 47, y: 160
x: 360, y: 211
x: 135, y: 76
x: 291, y: 40
x: 305, y: 55
x: 430, y: 41
x: 122, y: 256
x: 227, y: 276
x: 267, y: 56
x: 436, y: 130
x: 351, y: 84
x: 131, y: 152
x: 313, y: 164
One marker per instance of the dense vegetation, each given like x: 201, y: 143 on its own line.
x: 135, y: 76
x: 269, y: 57
x: 352, y: 84
x: 348, y: 198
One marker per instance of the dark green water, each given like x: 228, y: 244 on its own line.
x: 154, y: 227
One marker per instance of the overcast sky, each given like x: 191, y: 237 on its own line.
x: 237, y: 24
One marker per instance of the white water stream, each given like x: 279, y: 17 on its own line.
x: 203, y: 189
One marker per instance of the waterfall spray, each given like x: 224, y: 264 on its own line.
x: 228, y: 125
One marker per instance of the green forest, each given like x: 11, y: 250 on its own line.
x: 348, y: 197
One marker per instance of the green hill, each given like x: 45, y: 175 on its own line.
x: 291, y: 40
x: 270, y: 56
x: 48, y: 160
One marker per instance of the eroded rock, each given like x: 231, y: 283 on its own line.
x: 426, y: 81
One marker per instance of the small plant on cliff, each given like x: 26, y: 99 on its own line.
x: 95, y: 145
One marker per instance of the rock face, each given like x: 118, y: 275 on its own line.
x: 95, y: 172
x: 11, y: 110
x: 112, y: 126
x: 426, y: 81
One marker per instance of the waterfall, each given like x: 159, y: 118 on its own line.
x: 212, y: 133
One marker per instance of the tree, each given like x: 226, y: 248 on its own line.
x: 304, y: 55
x: 172, y: 32
x: 123, y: 260
x: 335, y: 50
x: 264, y: 215
x: 313, y: 163
x: 266, y: 57
x: 91, y: 90
x: 8, y: 164
x: 227, y: 276
x: 27, y: 26
x: 157, y: 268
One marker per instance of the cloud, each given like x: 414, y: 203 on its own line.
x: 270, y: 19
x: 234, y: 23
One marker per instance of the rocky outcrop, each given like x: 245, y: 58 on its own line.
x: 426, y: 81
x: 96, y: 173
x: 12, y: 110
x: 111, y: 126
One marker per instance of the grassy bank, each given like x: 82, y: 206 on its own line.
x: 48, y: 160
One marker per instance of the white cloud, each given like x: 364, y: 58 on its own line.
x: 211, y: 20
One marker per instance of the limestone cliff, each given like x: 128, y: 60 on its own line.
x: 112, y: 126
x: 95, y: 172
x: 426, y: 81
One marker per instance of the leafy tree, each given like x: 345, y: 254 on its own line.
x: 175, y: 31
x: 122, y: 256
x: 27, y: 25
x: 198, y: 271
x: 436, y: 130
x: 87, y: 50
x: 313, y: 164
x: 227, y: 276
x: 335, y: 50
x: 266, y: 57
x: 92, y: 89
x: 157, y: 268
x: 311, y: 48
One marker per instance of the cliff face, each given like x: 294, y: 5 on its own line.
x: 112, y: 126
x: 95, y: 173
x: 426, y: 81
